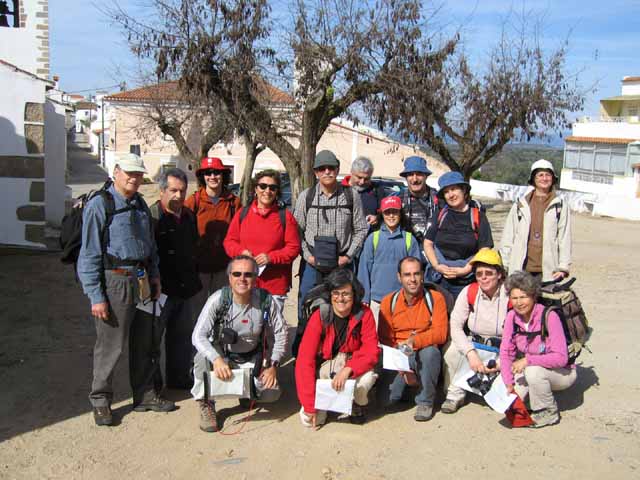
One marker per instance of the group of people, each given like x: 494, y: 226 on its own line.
x: 381, y: 270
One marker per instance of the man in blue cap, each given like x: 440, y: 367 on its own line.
x: 419, y: 202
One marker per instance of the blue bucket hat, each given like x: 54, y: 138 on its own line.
x: 415, y: 164
x: 452, y: 178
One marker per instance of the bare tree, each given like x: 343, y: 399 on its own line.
x: 518, y: 92
x: 338, y: 53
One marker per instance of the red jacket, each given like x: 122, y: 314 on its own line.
x: 213, y: 222
x: 260, y: 233
x: 363, y: 347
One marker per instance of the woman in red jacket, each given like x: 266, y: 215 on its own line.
x: 269, y: 235
x: 341, y: 346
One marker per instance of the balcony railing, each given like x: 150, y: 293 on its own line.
x: 607, y: 119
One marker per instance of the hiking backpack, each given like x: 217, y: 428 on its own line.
x: 311, y: 193
x: 376, y: 240
x: 428, y: 298
x: 560, y: 298
x: 474, y: 212
x: 318, y: 298
x: 282, y: 213
x: 71, y: 227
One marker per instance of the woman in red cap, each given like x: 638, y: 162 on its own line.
x: 214, y: 207
x: 382, y: 251
x: 267, y: 232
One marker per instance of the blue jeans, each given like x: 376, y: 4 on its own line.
x: 426, y: 362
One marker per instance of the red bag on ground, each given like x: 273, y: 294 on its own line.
x: 518, y: 415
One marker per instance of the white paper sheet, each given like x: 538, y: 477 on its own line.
x: 237, y: 387
x: 261, y: 269
x: 148, y: 306
x: 497, y: 397
x: 394, y: 359
x: 328, y: 399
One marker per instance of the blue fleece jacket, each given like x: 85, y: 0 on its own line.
x: 378, y: 272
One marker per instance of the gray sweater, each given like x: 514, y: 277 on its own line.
x: 248, y: 321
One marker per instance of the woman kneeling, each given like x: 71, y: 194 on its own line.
x: 477, y: 318
x: 339, y: 343
x: 533, y: 354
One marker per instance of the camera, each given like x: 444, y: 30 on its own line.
x: 228, y: 336
x: 481, y: 381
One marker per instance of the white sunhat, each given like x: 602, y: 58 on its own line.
x: 131, y: 162
x: 542, y: 164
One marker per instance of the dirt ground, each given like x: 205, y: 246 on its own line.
x: 47, y: 431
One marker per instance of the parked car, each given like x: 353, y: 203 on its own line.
x: 391, y: 186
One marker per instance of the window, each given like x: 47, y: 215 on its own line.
x: 6, y: 12
x: 597, y: 159
x: 134, y: 149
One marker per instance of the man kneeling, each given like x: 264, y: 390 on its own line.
x: 233, y: 331
x: 413, y: 319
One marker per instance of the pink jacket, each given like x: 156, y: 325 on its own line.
x: 552, y: 353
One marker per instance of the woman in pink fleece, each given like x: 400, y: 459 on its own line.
x: 531, y: 363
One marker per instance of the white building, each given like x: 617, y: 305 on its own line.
x: 602, y: 156
x: 33, y: 147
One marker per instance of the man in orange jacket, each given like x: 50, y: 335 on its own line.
x: 415, y: 321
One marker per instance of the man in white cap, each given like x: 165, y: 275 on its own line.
x: 118, y: 266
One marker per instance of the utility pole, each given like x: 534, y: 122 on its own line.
x: 103, y: 159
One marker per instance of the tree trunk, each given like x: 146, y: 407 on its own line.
x: 252, y: 151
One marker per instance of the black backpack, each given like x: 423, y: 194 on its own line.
x: 71, y: 227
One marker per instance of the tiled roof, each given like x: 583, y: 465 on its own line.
x: 86, y: 106
x: 169, y: 92
x: 631, y: 79
x: 619, y: 141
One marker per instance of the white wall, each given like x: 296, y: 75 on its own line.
x: 55, y: 162
x: 631, y: 88
x: 16, y: 89
x: 623, y: 186
x: 13, y: 193
x: 19, y: 46
x: 607, y: 130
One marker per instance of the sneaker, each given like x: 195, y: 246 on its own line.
x: 208, y: 420
x: 156, y: 403
x: 357, y: 416
x: 423, y: 413
x: 102, y: 416
x: 451, y: 406
x: 545, y: 417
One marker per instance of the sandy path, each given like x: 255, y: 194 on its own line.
x: 47, y: 431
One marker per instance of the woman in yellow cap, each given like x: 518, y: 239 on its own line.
x: 476, y: 323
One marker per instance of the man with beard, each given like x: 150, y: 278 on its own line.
x: 176, y: 235
x: 419, y: 202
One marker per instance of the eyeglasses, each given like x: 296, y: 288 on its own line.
x: 486, y: 273
x: 345, y: 295
x: 324, y: 168
x: 271, y: 186
x: 213, y: 172
x: 243, y: 274
x: 391, y: 211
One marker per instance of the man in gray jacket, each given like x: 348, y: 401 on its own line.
x: 236, y: 328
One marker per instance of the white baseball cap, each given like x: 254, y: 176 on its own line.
x: 131, y: 162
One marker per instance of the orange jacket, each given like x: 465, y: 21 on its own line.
x: 213, y: 223
x: 397, y: 327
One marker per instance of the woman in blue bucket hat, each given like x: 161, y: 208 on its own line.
x: 455, y: 235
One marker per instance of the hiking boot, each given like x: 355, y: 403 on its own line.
x: 156, y: 403
x: 102, y: 416
x: 423, y: 413
x: 208, y: 420
x: 545, y: 417
x: 451, y: 406
x: 245, y: 403
x: 357, y: 416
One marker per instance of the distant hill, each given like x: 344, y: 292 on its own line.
x: 512, y: 165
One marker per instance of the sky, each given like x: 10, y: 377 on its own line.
x: 89, y: 53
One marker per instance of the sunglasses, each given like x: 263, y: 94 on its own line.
x: 324, y: 168
x: 486, y: 273
x: 391, y: 211
x: 273, y: 187
x: 213, y: 172
x: 243, y: 274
